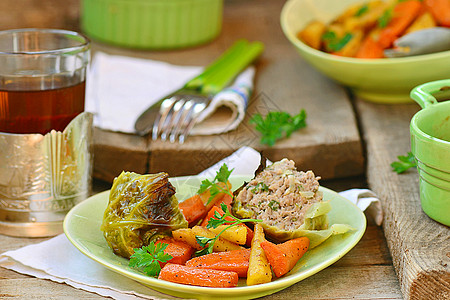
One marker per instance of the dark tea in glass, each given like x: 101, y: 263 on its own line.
x: 40, y: 111
x: 42, y: 79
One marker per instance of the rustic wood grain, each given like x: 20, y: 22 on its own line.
x: 330, y: 145
x: 110, y: 158
x: 420, y: 247
x: 39, y: 14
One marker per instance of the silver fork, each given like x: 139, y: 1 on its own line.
x: 177, y: 115
x: 174, y: 116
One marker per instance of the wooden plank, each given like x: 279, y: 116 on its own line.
x: 111, y: 157
x: 330, y: 145
x: 41, y: 289
x: 343, y: 283
x: 39, y: 14
x: 420, y: 247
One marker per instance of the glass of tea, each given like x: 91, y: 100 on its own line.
x: 42, y: 79
x: 45, y: 134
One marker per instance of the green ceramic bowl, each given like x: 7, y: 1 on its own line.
x: 430, y: 144
x: 152, y: 24
x: 377, y: 80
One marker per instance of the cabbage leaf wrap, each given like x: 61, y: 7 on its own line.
x: 141, y: 208
x: 315, y: 226
x: 315, y: 223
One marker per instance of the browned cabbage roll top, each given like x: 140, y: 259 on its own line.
x: 141, y: 208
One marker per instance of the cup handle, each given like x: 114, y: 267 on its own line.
x: 422, y: 94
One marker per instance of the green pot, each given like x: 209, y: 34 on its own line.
x: 430, y: 144
x: 152, y: 24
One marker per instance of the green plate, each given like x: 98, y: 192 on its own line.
x: 82, y: 228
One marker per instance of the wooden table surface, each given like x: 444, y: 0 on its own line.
x: 408, y: 257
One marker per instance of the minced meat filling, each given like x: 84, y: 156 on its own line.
x: 280, y: 195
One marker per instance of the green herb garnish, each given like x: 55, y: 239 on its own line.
x: 221, y: 176
x: 362, y: 10
x: 385, y: 18
x: 274, y: 205
x: 278, y: 124
x: 404, y: 163
x: 329, y: 36
x: 148, y: 258
x: 260, y: 186
x: 333, y: 43
x: 218, y: 220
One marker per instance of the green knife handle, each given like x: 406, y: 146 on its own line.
x: 198, y: 81
x: 231, y: 68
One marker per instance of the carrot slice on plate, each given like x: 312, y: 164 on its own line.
x: 193, y: 209
x: 283, y: 257
x: 235, y: 260
x: 180, y: 251
x: 200, y: 277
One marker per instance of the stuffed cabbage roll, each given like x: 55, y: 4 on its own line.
x: 141, y: 208
x: 288, y: 202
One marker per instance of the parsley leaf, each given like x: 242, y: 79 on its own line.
x: 221, y: 176
x: 277, y: 125
x: 404, y: 163
x: 148, y: 258
x: 204, y: 186
x: 385, y: 18
x: 218, y: 220
x: 333, y: 43
x: 362, y: 10
x: 339, y: 44
x: 329, y: 36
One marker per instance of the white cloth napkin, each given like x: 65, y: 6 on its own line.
x: 66, y: 264
x: 120, y: 88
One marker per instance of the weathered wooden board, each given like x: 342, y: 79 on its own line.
x: 420, y: 247
x: 330, y: 145
x: 39, y: 14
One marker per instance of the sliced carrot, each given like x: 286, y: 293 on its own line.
x: 180, y: 251
x: 440, y: 9
x: 225, y: 199
x: 370, y: 49
x: 235, y: 260
x: 283, y: 257
x: 211, y: 213
x: 200, y: 277
x: 193, y: 209
x: 404, y: 14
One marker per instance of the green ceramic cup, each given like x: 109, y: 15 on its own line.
x: 430, y: 144
x: 152, y: 24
